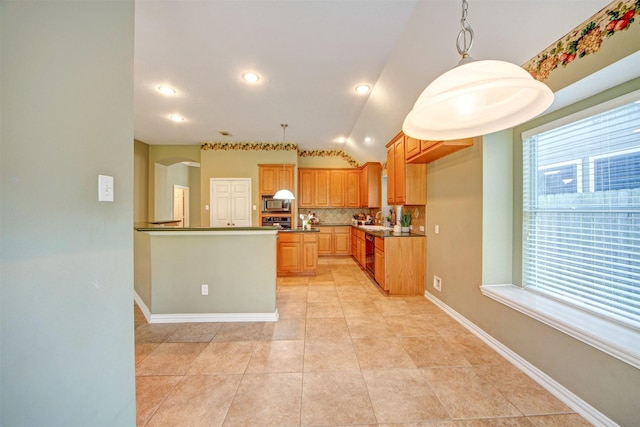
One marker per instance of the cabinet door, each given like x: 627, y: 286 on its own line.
x: 324, y: 241
x: 306, y: 188
x: 379, y: 268
x: 322, y: 188
x: 412, y: 147
x: 370, y: 183
x: 284, y: 177
x: 391, y: 182
x: 309, y: 252
x: 268, y: 180
x: 352, y: 189
x: 399, y: 171
x: 289, y: 257
x: 354, y: 243
x: 341, y: 240
x: 337, y: 189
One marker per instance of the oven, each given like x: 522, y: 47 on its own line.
x: 271, y: 205
x: 277, y: 221
x: 370, y: 254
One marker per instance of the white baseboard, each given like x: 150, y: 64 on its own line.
x: 203, y: 317
x: 581, y: 407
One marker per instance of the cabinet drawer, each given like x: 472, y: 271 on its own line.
x: 289, y: 237
x: 341, y: 230
x: 380, y: 243
x: 309, y: 237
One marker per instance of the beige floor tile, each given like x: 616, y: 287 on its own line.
x: 527, y: 395
x: 432, y: 351
x: 381, y: 353
x: 201, y: 400
x: 267, y: 400
x: 154, y: 332
x: 474, y: 350
x: 421, y: 305
x: 195, y: 332
x: 368, y: 327
x: 496, y: 422
x: 335, y: 398
x: 229, y: 357
x: 432, y: 423
x: 464, y: 394
x: 354, y: 308
x: 324, y: 309
x: 284, y: 329
x: 352, y: 293
x: 330, y: 355
x: 292, y: 310
x: 326, y: 328
x: 445, y: 325
x: 572, y: 420
x: 276, y: 356
x: 402, y: 395
x: 170, y: 359
x: 322, y: 294
x: 393, y: 307
x: 150, y: 393
x: 410, y: 326
x: 144, y: 349
x: 239, y: 331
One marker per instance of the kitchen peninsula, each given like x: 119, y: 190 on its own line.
x: 197, y: 274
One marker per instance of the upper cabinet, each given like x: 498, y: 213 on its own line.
x: 420, y: 151
x: 370, y: 183
x: 406, y: 183
x: 273, y: 177
x: 328, y: 188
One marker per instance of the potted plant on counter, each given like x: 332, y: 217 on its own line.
x: 405, y: 222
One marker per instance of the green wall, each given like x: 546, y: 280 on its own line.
x: 66, y: 301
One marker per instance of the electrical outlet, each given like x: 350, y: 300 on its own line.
x: 437, y: 283
x: 422, y: 228
x: 437, y: 229
x: 205, y: 289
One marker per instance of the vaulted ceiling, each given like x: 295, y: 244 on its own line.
x: 310, y: 55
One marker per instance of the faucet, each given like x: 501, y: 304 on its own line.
x: 378, y: 220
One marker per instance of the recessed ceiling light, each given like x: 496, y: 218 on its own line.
x: 166, y: 90
x: 363, y: 89
x: 176, y: 118
x: 251, y: 77
x: 367, y: 139
x: 341, y: 140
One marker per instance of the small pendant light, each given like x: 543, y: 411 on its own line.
x: 476, y: 97
x: 283, y: 193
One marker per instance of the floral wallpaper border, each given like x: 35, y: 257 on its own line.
x: 264, y: 146
x: 585, y: 39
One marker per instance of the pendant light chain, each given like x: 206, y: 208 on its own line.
x: 284, y: 170
x: 465, y: 36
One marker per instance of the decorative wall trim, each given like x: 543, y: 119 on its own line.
x: 203, y: 317
x: 329, y: 153
x: 248, y: 146
x: 266, y: 146
x: 581, y: 407
x: 585, y: 39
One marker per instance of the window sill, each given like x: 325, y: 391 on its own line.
x: 610, y: 337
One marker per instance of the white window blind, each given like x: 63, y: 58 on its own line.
x: 581, y: 208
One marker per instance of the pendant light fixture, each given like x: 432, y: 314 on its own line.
x: 476, y: 97
x: 283, y: 193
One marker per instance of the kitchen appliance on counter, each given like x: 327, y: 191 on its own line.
x: 271, y: 205
x: 277, y: 221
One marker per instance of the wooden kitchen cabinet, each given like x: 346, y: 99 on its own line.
x: 403, y: 265
x: 338, y: 184
x: 297, y: 253
x: 272, y: 177
x: 379, y: 262
x: 352, y: 188
x: 429, y: 151
x: 334, y: 240
x: 361, y: 248
x: 354, y: 243
x: 324, y: 188
x: 406, y: 183
x: 370, y: 185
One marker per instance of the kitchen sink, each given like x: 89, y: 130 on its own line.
x: 376, y: 227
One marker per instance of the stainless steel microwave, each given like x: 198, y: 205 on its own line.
x: 271, y: 205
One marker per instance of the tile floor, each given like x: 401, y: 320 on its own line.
x: 342, y: 353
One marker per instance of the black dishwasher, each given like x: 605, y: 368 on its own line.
x: 370, y: 254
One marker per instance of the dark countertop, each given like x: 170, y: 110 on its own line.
x: 146, y: 226
x: 299, y: 230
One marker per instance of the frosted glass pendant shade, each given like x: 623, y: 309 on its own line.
x: 476, y: 98
x: 284, y: 194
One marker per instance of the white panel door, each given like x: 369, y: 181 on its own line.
x: 230, y: 202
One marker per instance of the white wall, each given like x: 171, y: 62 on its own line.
x: 67, y: 259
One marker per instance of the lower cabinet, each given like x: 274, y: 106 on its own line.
x: 379, y: 262
x: 334, y: 240
x: 297, y: 254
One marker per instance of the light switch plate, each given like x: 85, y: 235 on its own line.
x: 105, y: 188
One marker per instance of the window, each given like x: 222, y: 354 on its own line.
x: 581, y: 213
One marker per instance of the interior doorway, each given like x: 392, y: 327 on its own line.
x: 181, y: 204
